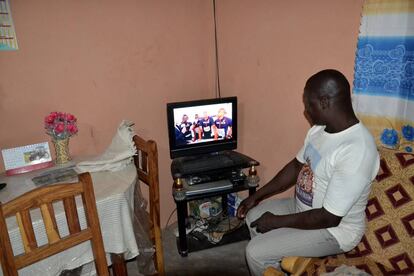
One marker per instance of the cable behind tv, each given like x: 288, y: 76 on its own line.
x: 218, y: 91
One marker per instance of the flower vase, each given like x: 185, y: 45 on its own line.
x: 61, y: 150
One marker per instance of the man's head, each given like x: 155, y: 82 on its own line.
x: 185, y: 118
x: 221, y: 112
x: 205, y: 115
x: 327, y: 97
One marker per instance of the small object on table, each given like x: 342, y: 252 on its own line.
x: 2, y: 186
x: 61, y: 150
x: 26, y: 158
x: 59, y: 175
x: 61, y: 126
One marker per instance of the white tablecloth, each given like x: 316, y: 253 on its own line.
x: 114, y: 199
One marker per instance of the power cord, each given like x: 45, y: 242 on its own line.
x: 218, y: 92
x: 168, y: 220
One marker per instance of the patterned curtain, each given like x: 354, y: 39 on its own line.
x: 384, y: 72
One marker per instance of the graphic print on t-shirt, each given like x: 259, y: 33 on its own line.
x: 304, y: 184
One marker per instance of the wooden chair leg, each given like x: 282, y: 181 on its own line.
x: 118, y: 265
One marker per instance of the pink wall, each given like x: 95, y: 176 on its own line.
x: 268, y: 49
x: 106, y: 61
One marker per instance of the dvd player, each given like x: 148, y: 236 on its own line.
x: 234, y: 176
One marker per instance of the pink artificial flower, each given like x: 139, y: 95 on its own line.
x: 60, y: 116
x: 49, y: 119
x: 70, y: 117
x: 72, y: 129
x: 60, y: 125
x: 59, y: 128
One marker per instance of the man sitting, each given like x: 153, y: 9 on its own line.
x: 333, y: 173
x: 222, y: 126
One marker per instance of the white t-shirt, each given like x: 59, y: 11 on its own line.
x: 337, y: 174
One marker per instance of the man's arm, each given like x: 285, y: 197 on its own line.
x: 215, y: 131
x: 229, y: 132
x: 200, y: 132
x: 311, y: 219
x: 283, y: 180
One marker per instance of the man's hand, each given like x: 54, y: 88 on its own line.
x: 245, y: 206
x: 285, y: 179
x: 265, y: 223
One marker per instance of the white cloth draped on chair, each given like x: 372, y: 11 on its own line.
x: 117, y: 156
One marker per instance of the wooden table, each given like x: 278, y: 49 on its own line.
x: 114, y: 200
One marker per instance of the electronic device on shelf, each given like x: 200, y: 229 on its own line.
x: 225, y: 165
x: 220, y: 161
x: 208, y: 187
x: 202, y: 126
x: 234, y: 176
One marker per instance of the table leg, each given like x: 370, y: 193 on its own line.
x: 182, y: 234
x: 118, y: 265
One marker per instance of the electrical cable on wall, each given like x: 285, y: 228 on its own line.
x: 218, y: 91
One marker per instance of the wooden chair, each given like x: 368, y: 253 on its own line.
x: 43, y: 199
x: 146, y: 162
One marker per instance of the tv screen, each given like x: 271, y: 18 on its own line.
x: 202, y: 126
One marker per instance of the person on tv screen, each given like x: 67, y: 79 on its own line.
x: 185, y: 128
x: 196, y: 129
x: 207, y: 125
x: 223, y: 126
x: 179, y: 136
x: 332, y: 175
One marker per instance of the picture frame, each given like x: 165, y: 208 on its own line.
x: 27, y: 158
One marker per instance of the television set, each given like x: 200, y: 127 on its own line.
x: 202, y: 126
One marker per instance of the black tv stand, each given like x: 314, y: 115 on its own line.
x: 219, y: 174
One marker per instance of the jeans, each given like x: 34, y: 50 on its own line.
x: 269, y: 248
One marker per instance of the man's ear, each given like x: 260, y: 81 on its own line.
x: 324, y: 102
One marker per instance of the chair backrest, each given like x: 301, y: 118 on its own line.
x: 43, y: 199
x: 146, y: 162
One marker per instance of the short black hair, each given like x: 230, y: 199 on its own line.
x: 329, y: 83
